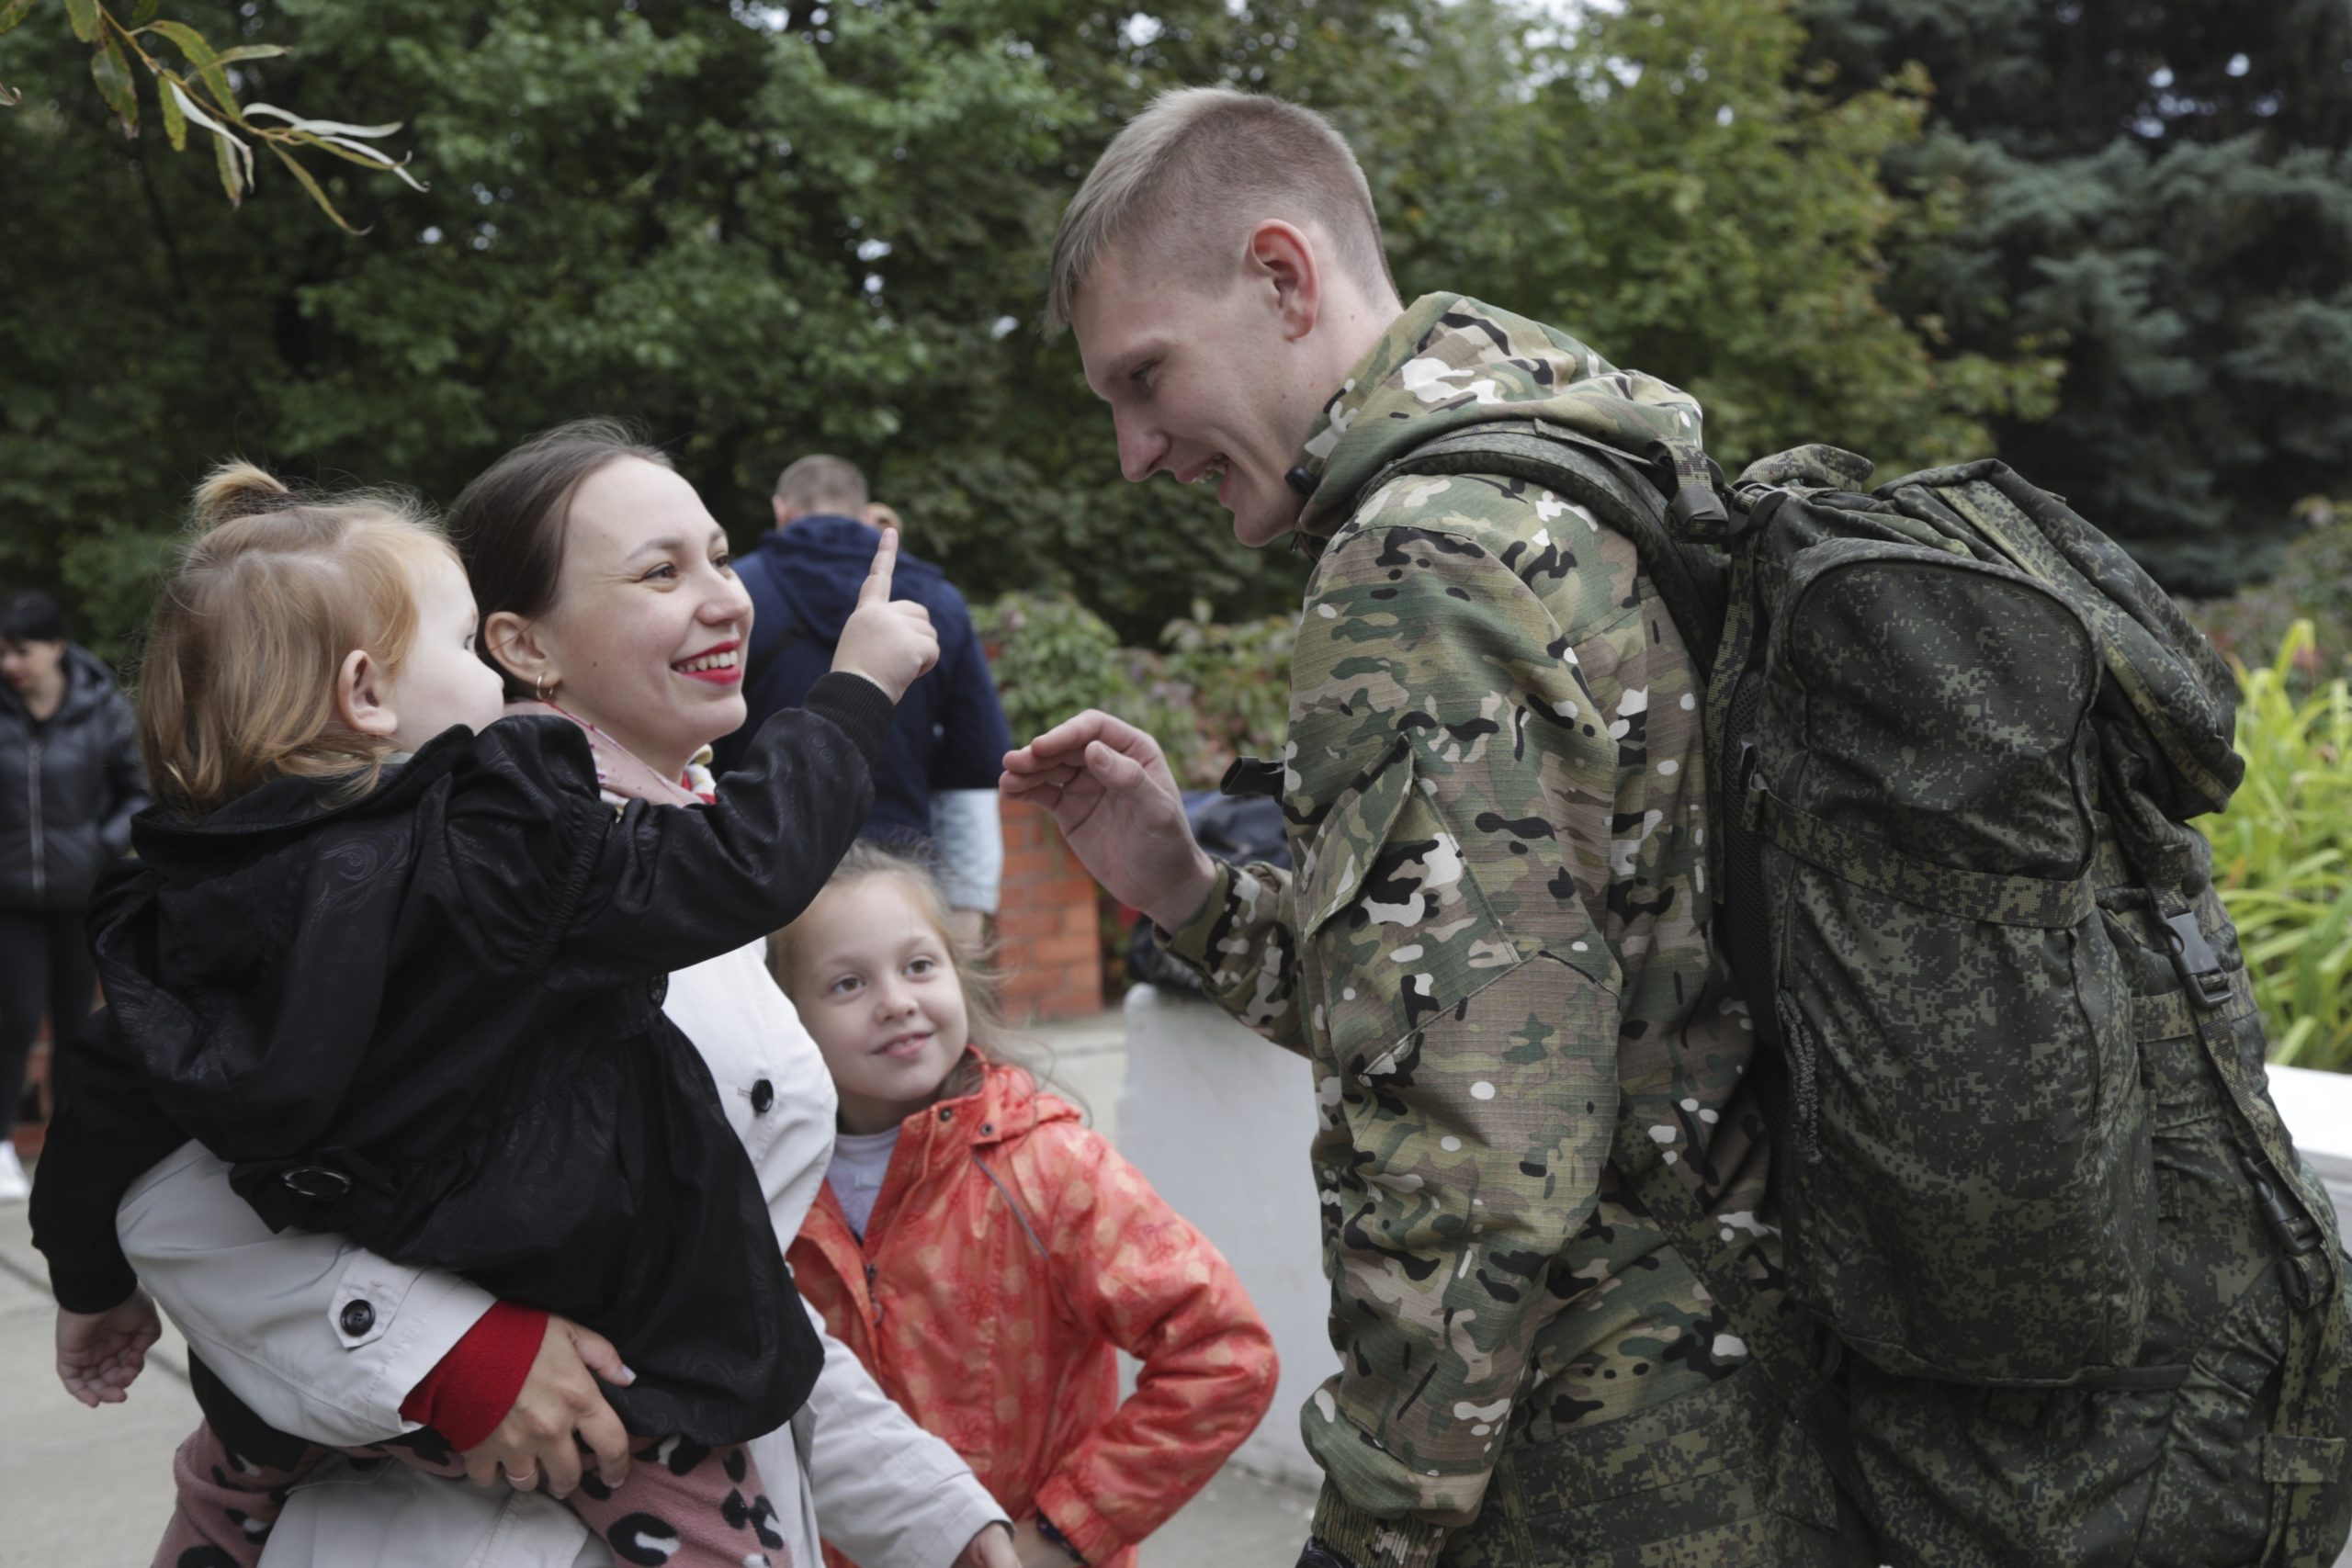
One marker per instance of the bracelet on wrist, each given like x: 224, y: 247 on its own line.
x: 1055, y: 1538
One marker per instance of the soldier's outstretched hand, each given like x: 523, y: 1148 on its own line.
x: 891, y: 642
x: 1108, y: 785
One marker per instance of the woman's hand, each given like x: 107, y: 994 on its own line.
x: 560, y: 1398
x: 99, y: 1353
x: 992, y: 1548
x: 891, y: 643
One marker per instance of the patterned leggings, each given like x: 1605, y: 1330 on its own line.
x: 682, y: 1505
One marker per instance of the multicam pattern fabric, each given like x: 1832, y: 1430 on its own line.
x: 1495, y: 938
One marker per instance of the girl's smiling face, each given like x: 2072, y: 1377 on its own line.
x: 876, y: 983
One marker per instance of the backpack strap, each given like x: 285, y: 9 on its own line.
x: 1632, y: 496
x: 1624, y: 492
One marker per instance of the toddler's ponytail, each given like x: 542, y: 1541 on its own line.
x: 273, y: 591
x: 232, y: 489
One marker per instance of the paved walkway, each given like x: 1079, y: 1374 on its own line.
x: 93, y: 1487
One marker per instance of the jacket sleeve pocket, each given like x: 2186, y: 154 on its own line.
x: 1345, y: 848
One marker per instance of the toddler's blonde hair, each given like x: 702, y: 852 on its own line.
x: 272, y: 591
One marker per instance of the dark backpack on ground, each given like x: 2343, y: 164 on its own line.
x: 2027, y: 1170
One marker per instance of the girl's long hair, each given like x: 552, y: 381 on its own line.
x: 271, y: 593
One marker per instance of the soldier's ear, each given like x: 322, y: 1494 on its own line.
x: 1287, y: 273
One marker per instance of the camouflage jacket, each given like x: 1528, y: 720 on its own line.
x: 1498, y: 806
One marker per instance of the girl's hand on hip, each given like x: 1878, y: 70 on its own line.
x: 560, y: 1398
x: 992, y: 1548
x: 99, y: 1354
x: 1031, y: 1548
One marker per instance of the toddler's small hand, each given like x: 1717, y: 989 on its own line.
x: 890, y: 642
x: 100, y: 1354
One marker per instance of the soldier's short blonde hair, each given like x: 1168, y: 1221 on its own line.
x: 1190, y: 175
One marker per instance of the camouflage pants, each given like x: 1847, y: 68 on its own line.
x: 1698, y: 1482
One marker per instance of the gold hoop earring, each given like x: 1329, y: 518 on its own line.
x: 541, y: 689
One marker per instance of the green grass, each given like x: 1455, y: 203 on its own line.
x: 2282, y: 854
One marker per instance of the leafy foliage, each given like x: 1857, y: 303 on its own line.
x: 2313, y: 584
x: 760, y: 230
x: 1209, y: 694
x: 2164, y: 188
x: 201, y: 90
x: 2282, y: 856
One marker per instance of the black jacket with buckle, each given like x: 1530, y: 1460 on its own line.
x: 430, y: 1019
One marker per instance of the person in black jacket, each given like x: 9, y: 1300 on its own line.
x: 69, y: 787
x: 398, y: 961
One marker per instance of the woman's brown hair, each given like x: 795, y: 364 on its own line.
x: 272, y: 591
x: 508, y: 524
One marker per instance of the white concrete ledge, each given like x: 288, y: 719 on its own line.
x: 1219, y: 1121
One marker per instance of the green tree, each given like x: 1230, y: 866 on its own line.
x: 760, y: 230
x: 2166, y: 187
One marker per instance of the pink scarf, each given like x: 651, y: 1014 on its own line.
x: 619, y: 773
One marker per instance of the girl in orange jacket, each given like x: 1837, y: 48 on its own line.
x: 986, y: 1255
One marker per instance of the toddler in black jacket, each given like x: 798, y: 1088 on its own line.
x: 395, y: 961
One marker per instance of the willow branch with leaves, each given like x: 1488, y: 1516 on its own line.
x: 200, y: 91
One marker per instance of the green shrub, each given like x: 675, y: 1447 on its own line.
x: 2282, y: 853
x: 1052, y: 657
x: 1213, y: 691
x: 2313, y: 582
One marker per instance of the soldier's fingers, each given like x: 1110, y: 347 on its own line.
x: 1065, y: 743
x: 1114, y: 769
x: 876, y: 587
x: 1040, y: 777
x: 1032, y: 791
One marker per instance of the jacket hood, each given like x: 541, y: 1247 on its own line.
x: 1007, y: 1103
x: 264, y: 814
x: 819, y: 563
x: 88, y: 683
x: 1451, y: 362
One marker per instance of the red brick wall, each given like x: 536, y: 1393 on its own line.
x: 1048, y: 927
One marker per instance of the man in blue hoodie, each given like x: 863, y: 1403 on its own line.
x: 936, y: 778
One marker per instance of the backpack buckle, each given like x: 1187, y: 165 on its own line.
x: 2294, y: 1233
x: 2195, y: 962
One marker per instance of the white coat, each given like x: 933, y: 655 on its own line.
x: 267, y: 1313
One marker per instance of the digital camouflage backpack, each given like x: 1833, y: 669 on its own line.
x: 2057, y: 1288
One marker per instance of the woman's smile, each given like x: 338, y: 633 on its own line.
x: 719, y: 666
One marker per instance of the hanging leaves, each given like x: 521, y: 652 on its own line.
x: 198, y: 89
x: 112, y: 73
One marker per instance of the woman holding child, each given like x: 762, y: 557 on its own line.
x: 514, y: 1090
x: 608, y: 605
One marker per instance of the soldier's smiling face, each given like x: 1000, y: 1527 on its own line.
x: 1214, y: 384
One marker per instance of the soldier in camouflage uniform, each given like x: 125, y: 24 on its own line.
x: 1495, y: 939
